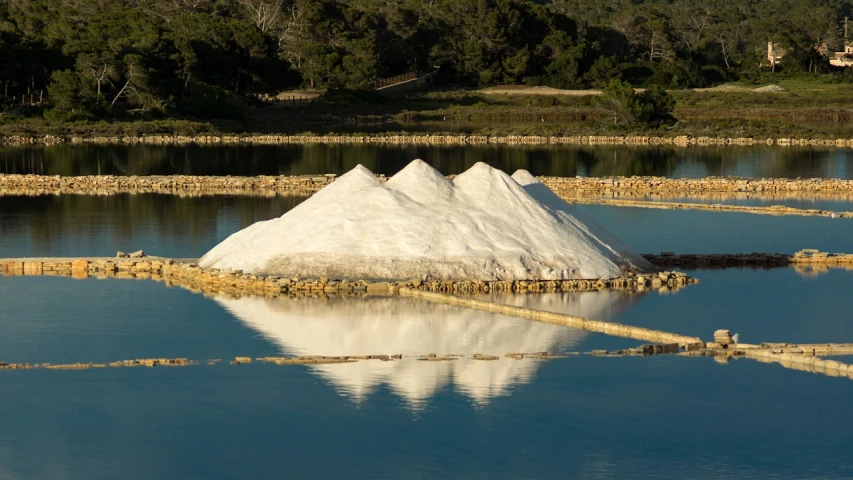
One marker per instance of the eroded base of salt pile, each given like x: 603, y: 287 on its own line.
x: 483, y: 224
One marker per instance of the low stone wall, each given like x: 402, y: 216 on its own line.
x: 427, y: 139
x: 804, y: 363
x: 806, y: 257
x: 679, y: 186
x: 707, y: 197
x: 237, y: 283
x: 294, y: 360
x: 609, y: 328
x: 776, y: 210
x: 573, y: 190
x: 797, y: 357
x: 190, y: 185
x: 567, y: 187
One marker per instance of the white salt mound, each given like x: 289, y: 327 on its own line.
x: 769, y: 89
x: 483, y: 225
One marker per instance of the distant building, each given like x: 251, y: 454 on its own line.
x: 775, y: 53
x: 843, y: 59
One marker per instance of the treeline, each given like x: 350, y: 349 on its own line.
x: 211, y: 58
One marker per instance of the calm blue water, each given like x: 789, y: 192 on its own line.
x: 579, y: 417
x: 694, y: 231
x: 665, y: 417
x: 583, y: 418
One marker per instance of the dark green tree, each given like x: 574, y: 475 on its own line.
x: 620, y: 102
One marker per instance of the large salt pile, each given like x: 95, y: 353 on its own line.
x: 481, y: 225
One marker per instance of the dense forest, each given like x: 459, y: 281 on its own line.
x: 80, y: 59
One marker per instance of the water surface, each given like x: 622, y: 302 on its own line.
x: 72, y: 225
x: 588, y: 417
x: 581, y: 416
x: 805, y: 203
x: 569, y: 160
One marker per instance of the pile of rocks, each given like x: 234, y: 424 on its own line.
x: 723, y: 337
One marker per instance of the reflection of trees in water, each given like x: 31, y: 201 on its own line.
x: 797, y: 162
x: 46, y: 220
x: 769, y: 162
x: 540, y: 160
x: 566, y: 160
x: 628, y: 161
x: 73, y: 160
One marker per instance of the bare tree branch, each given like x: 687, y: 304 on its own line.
x: 264, y: 13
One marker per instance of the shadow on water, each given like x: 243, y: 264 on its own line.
x: 70, y: 160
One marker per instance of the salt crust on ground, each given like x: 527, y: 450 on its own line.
x: 483, y: 225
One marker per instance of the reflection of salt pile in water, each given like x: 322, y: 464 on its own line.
x: 481, y: 225
x: 342, y: 326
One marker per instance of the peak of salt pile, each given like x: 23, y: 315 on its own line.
x: 483, y: 225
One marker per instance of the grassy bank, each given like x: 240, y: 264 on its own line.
x: 798, y: 108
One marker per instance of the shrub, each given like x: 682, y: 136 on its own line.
x: 652, y: 107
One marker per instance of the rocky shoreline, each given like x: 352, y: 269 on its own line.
x: 424, y: 139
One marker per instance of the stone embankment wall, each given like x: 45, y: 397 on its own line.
x: 776, y: 210
x: 609, y: 328
x: 574, y: 190
x: 215, y: 281
x: 294, y: 360
x: 567, y: 187
x: 681, y: 186
x: 801, y: 357
x: 804, y: 363
x: 806, y: 257
x: 707, y: 197
x: 425, y: 139
x: 190, y: 185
